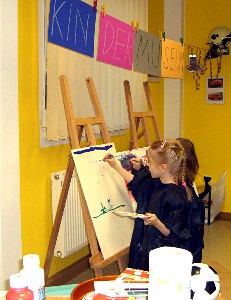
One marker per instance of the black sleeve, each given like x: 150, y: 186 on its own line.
x: 176, y: 213
x: 140, y: 182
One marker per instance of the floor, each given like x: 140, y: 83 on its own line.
x: 218, y: 243
x: 217, y: 253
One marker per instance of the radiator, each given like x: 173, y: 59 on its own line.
x: 72, y: 234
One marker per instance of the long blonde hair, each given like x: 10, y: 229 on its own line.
x: 172, y: 153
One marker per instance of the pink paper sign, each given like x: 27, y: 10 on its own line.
x: 116, y: 42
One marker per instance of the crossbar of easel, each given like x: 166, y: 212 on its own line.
x: 75, y: 128
x: 137, y: 119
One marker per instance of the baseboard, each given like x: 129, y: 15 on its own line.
x: 225, y: 216
x: 70, y: 272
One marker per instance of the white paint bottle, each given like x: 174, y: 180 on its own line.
x: 34, y: 275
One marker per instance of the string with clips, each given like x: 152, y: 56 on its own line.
x: 198, y: 69
x: 103, y: 7
x: 162, y: 35
x: 135, y: 25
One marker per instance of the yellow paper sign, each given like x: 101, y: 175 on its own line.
x: 172, y: 64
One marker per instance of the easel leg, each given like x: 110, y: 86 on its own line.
x: 121, y: 264
x: 98, y: 272
x: 58, y: 217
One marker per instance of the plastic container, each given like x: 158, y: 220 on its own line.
x: 3, y: 295
x: 34, y: 275
x: 19, y: 289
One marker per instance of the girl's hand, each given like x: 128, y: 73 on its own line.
x: 136, y: 163
x: 109, y: 158
x: 152, y: 220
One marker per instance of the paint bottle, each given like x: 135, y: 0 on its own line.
x: 19, y: 289
x: 34, y: 275
x: 3, y: 295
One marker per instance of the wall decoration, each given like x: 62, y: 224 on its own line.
x: 172, y: 65
x: 105, y: 192
x: 197, y: 64
x: 147, y: 53
x: 218, y: 40
x: 72, y: 25
x: 215, y: 90
x: 116, y: 42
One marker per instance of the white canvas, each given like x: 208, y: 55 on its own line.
x: 105, y: 192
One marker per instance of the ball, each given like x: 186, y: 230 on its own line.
x: 205, y: 282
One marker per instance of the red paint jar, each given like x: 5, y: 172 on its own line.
x: 19, y: 289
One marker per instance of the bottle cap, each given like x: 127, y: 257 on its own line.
x: 17, y: 281
x: 31, y: 261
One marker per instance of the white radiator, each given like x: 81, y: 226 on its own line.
x: 72, y: 233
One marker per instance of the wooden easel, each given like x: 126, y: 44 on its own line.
x: 75, y: 128
x: 137, y: 119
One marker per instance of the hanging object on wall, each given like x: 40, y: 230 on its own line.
x: 218, y: 41
x: 196, y: 64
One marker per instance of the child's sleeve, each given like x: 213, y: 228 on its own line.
x: 176, y: 214
x: 140, y: 182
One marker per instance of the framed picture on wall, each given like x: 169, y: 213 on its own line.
x: 215, y: 90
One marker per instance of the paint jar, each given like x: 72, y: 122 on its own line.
x: 34, y: 275
x: 169, y: 273
x: 19, y: 289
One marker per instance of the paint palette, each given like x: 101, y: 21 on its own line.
x: 89, y: 296
x: 130, y: 214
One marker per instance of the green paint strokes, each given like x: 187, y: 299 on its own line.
x: 104, y: 210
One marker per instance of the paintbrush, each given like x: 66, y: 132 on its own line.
x: 109, y: 156
x: 141, y: 161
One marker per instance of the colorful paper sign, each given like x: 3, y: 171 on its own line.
x: 147, y: 53
x: 172, y: 65
x: 116, y: 42
x: 72, y: 25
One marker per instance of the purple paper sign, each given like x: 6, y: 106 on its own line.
x: 116, y: 42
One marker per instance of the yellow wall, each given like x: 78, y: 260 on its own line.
x: 208, y: 126
x: 155, y: 25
